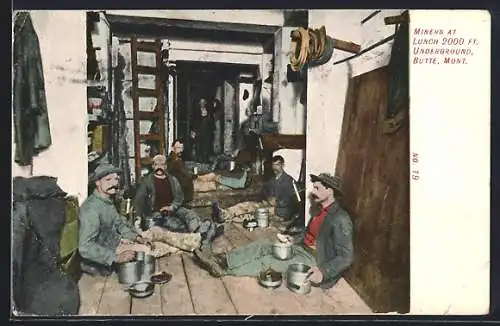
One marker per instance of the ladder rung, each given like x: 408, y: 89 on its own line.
x: 148, y: 115
x: 145, y: 46
x: 145, y: 70
x: 150, y: 137
x: 145, y: 92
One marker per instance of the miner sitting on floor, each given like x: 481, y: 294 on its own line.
x: 326, y: 245
x: 159, y: 199
x: 106, y: 238
x: 278, y: 195
x: 209, y: 181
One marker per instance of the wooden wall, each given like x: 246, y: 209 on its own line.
x: 375, y: 172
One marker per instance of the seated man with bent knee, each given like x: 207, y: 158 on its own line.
x: 104, y: 236
x: 160, y: 196
x: 277, y: 195
x: 206, y: 181
x: 326, y: 245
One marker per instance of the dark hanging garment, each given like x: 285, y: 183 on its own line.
x: 399, y: 81
x: 40, y: 285
x: 31, y: 121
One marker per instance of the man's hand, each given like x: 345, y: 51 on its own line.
x: 166, y: 209
x: 125, y: 241
x: 142, y: 240
x: 285, y: 238
x: 125, y: 256
x: 271, y: 201
x: 316, y: 275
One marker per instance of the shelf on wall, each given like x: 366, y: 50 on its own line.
x: 97, y: 83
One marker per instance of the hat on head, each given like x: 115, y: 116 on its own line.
x: 159, y: 159
x: 329, y: 180
x: 103, y: 170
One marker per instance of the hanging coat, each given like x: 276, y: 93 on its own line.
x: 399, y: 79
x: 31, y: 121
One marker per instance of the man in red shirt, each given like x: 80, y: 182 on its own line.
x: 326, y: 245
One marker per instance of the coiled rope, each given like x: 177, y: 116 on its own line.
x: 309, y: 46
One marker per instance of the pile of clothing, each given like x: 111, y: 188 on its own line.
x: 41, y: 286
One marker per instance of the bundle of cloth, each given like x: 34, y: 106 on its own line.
x: 40, y: 285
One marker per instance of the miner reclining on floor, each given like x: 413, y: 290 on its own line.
x: 326, y: 245
x: 105, y: 238
x: 160, y: 198
x: 206, y: 181
x: 278, y: 195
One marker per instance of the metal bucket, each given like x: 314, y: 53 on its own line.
x: 148, y: 267
x: 129, y: 273
x: 149, y: 222
x: 282, y: 251
x: 297, y: 278
x: 262, y: 217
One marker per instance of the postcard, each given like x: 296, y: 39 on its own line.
x: 250, y: 162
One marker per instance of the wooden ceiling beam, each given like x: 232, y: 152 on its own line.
x: 399, y: 19
x: 192, y: 24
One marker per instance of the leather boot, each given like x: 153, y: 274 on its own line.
x: 221, y: 260
x: 94, y: 269
x: 210, y: 263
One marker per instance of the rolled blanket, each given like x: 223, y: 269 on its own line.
x: 183, y: 241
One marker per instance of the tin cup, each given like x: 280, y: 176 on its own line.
x: 139, y: 255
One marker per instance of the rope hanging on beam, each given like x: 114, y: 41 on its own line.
x: 310, y: 47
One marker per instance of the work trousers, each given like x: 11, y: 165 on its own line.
x: 257, y: 256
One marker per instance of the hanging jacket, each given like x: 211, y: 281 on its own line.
x: 31, y: 121
x: 399, y: 73
x: 40, y: 284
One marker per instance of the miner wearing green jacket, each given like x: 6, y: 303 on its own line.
x: 102, y: 228
x: 326, y: 245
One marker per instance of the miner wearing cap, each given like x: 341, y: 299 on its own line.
x: 326, y: 244
x: 160, y: 197
x: 102, y: 228
x: 106, y: 239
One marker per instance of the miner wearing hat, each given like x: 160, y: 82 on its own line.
x: 326, y: 245
x: 160, y: 198
x: 105, y: 237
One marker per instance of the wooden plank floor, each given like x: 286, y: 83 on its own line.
x: 193, y: 291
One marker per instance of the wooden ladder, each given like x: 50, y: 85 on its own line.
x: 157, y: 116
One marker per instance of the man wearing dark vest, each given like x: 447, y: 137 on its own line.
x: 160, y: 196
x: 277, y: 195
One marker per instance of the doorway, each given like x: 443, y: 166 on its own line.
x: 217, y: 83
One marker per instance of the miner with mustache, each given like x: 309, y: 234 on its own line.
x: 326, y: 245
x: 160, y: 196
x: 105, y: 237
x: 102, y: 229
